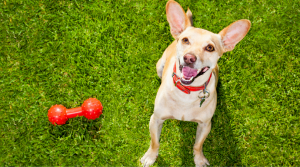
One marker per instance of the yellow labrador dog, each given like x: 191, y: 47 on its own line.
x: 189, y: 72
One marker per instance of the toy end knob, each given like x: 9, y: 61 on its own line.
x: 92, y: 108
x: 57, y: 115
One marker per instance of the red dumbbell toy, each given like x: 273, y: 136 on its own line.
x: 91, y: 109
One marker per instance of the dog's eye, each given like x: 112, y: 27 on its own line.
x: 185, y: 40
x: 210, y: 48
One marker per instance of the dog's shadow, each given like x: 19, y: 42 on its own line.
x: 220, y: 146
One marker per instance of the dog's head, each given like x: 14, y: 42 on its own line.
x: 199, y: 50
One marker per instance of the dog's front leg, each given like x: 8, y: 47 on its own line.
x: 155, y: 130
x: 203, y: 130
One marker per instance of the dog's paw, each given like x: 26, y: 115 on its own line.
x: 149, y: 158
x: 200, y: 161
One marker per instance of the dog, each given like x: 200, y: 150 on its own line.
x: 189, y: 73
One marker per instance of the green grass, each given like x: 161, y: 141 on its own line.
x: 63, y: 52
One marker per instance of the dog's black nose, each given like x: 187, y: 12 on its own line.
x: 189, y: 58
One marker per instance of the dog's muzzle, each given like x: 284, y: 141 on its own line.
x: 188, y: 74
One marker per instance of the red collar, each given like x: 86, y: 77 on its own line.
x: 186, y: 89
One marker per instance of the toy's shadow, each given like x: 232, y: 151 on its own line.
x: 83, y: 126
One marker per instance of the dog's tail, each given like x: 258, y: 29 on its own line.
x: 190, y: 16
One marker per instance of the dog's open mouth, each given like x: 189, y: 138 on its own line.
x: 189, y: 74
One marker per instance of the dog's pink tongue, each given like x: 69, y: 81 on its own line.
x: 189, y: 72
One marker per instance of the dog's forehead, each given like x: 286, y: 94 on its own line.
x: 202, y: 37
x: 198, y: 33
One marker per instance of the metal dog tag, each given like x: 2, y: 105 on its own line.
x: 201, y: 102
x: 203, y: 95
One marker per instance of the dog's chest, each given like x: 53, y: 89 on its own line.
x: 185, y: 108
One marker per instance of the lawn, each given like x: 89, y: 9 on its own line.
x: 63, y: 52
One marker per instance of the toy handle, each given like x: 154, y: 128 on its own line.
x: 74, y: 112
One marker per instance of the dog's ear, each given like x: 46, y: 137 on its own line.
x: 177, y: 18
x: 234, y: 33
x: 190, y: 16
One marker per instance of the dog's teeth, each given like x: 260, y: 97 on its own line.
x: 188, y: 80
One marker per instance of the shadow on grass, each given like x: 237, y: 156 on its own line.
x: 78, y: 126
